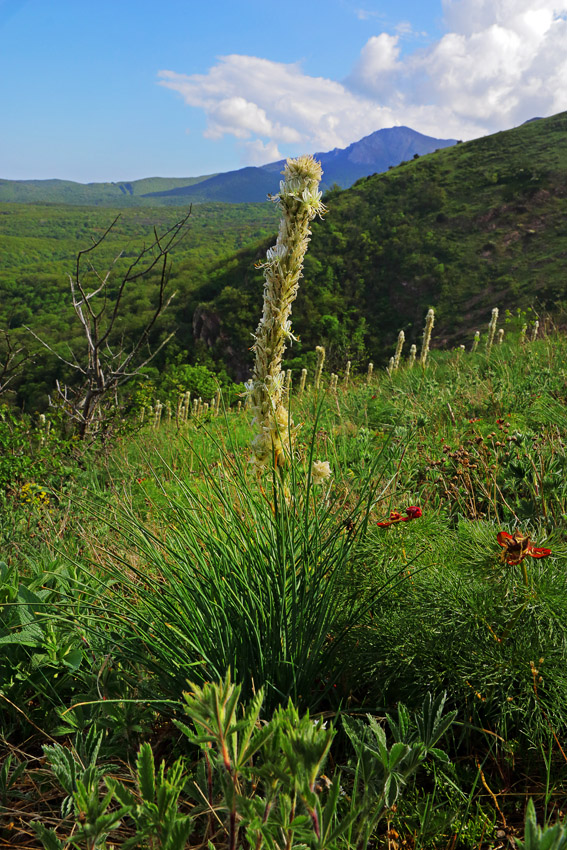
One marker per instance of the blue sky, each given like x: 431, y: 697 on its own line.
x: 123, y: 89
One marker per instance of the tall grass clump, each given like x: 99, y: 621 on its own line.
x: 228, y: 577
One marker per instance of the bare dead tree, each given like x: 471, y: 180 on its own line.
x: 13, y: 357
x: 105, y: 368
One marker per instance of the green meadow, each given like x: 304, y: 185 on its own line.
x: 195, y: 653
x: 323, y: 611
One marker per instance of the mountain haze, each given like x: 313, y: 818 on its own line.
x: 342, y: 166
x: 125, y: 193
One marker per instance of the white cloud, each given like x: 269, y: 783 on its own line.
x: 378, y: 56
x: 246, y: 96
x: 499, y: 63
x: 258, y: 153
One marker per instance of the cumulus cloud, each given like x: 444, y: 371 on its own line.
x: 258, y: 153
x: 499, y: 63
x: 276, y: 102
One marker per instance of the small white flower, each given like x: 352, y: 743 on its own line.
x: 320, y: 471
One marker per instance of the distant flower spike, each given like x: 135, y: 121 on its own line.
x: 320, y: 352
x: 399, y: 346
x: 429, y: 322
x: 491, y: 330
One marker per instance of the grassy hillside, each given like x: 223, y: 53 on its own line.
x: 167, y: 556
x: 464, y: 229
x: 124, y: 193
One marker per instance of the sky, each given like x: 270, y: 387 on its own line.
x: 112, y: 90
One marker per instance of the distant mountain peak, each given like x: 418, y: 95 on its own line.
x: 343, y: 166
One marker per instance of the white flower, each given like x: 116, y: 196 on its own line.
x: 320, y: 471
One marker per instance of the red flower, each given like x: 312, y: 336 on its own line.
x: 413, y: 512
x: 516, y: 546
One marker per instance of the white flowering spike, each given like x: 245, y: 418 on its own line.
x: 476, y: 341
x: 369, y: 373
x: 429, y: 322
x: 302, y: 381
x: 399, y: 346
x: 287, y: 386
x: 320, y: 352
x: 523, y: 334
x: 390, y: 367
x: 320, y: 471
x: 500, y: 336
x: 333, y: 383
x: 535, y: 330
x: 492, y: 330
x: 299, y: 201
x: 412, y: 355
x: 347, y: 374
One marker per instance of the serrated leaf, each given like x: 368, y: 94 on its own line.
x: 178, y: 834
x: 122, y: 794
x: 146, y: 773
x: 397, y: 753
x: 47, y: 837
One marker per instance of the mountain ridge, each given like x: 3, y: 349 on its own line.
x: 372, y: 154
x: 342, y: 166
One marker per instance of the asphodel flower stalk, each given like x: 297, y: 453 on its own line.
x: 299, y: 200
x: 320, y: 352
x: 399, y: 346
x: 492, y: 330
x: 412, y: 354
x: 287, y: 386
x: 347, y: 374
x: 302, y: 381
x: 390, y: 367
x: 369, y: 373
x: 429, y: 322
x: 500, y: 336
x: 523, y: 334
x: 476, y: 341
x: 535, y: 330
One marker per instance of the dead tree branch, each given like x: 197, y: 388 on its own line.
x: 103, y: 370
x: 13, y: 357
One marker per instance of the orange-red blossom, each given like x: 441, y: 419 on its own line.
x: 413, y: 512
x: 516, y: 546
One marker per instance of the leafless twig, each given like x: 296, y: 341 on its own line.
x: 103, y: 370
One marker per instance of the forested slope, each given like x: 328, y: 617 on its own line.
x: 464, y: 229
